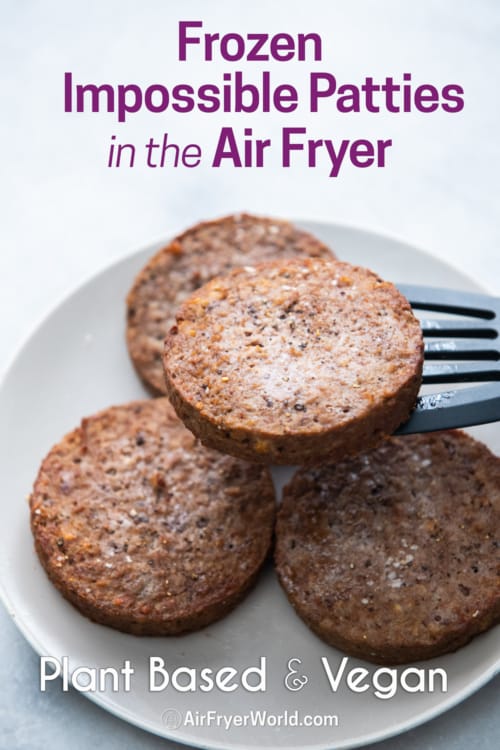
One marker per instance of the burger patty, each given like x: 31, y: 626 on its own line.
x: 294, y: 361
x: 393, y: 556
x: 137, y: 524
x: 189, y: 261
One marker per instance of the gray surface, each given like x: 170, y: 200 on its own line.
x: 30, y: 719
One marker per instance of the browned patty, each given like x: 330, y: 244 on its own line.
x: 137, y: 524
x: 393, y: 556
x: 294, y: 362
x: 189, y: 261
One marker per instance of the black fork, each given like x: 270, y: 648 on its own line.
x: 467, y: 352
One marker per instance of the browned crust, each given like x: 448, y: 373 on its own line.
x: 90, y: 607
x: 208, y: 249
x: 210, y: 368
x: 393, y: 556
x: 137, y: 524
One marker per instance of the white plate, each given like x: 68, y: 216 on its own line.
x: 75, y: 363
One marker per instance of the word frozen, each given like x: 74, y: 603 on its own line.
x: 254, y: 47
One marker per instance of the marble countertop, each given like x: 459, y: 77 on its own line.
x: 66, y: 215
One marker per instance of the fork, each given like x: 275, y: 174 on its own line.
x: 468, y: 353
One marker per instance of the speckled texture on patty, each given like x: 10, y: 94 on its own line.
x: 137, y: 524
x: 206, y: 250
x: 394, y: 555
x: 294, y: 362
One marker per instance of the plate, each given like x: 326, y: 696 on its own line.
x: 76, y: 363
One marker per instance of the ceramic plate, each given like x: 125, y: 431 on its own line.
x: 76, y: 363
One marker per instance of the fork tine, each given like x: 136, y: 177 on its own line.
x: 450, y: 409
x: 463, y: 407
x: 451, y: 301
x: 460, y: 349
x: 463, y: 328
x: 460, y: 373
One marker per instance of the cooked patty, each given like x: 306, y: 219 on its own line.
x: 294, y: 362
x: 145, y: 530
x: 393, y: 556
x: 189, y: 261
